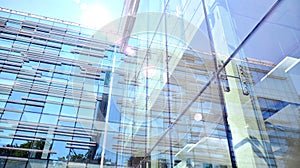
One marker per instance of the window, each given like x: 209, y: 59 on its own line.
x: 60, y: 76
x: 71, y: 101
x: 69, y: 110
x: 78, y: 155
x: 14, y: 106
x: 11, y: 115
x: 16, y: 163
x: 47, y: 66
x: 3, y: 96
x: 87, y: 124
x: 46, y: 22
x: 37, y: 96
x: 31, y: 108
x: 8, y: 75
x: 58, y: 99
x: 28, y: 133
x: 86, y: 113
x: 2, y: 104
x: 51, y: 108
x: 66, y: 123
x: 37, y: 162
x: 30, y: 117
x: 61, y: 151
x: 31, y: 19
x: 16, y: 16
x: 49, y: 119
x: 88, y: 104
x: 63, y: 67
x: 13, y: 24
x: 6, y: 43
x: 37, y: 47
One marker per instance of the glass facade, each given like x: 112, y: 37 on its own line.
x: 196, y: 84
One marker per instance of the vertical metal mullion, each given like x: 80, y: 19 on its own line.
x: 168, y: 86
x: 108, y: 107
x: 222, y: 102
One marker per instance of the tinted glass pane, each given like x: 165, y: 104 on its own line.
x: 11, y: 115
x: 30, y: 108
x: 62, y: 151
x: 51, y: 108
x: 69, y: 110
x: 49, y: 119
x: 30, y: 117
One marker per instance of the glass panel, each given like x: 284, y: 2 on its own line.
x: 35, y: 163
x: 21, y: 144
x: 86, y: 124
x: 66, y: 123
x: 57, y: 164
x: 11, y: 115
x: 264, y: 97
x: 2, y: 104
x: 6, y: 141
x: 61, y: 151
x: 7, y: 75
x: 14, y: 106
x: 15, y: 95
x: 37, y: 96
x: 209, y: 83
x: 15, y: 163
x: 36, y: 109
x: 3, y: 96
x: 69, y: 110
x: 78, y: 155
x: 2, y: 163
x: 16, y: 16
x: 6, y: 43
x: 86, y: 113
x: 49, y: 119
x: 51, y: 108
x: 57, y: 99
x: 30, y: 117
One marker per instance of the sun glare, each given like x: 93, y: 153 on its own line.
x: 94, y: 16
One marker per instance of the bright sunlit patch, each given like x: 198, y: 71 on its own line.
x: 178, y: 11
x: 130, y: 51
x: 94, y: 16
x: 151, y: 71
x: 198, y: 117
x: 77, y: 1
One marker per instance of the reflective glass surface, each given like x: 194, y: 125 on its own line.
x: 208, y: 84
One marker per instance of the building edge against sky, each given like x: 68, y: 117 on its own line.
x: 148, y: 96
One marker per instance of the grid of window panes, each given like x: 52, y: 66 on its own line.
x: 55, y: 91
x: 63, y: 103
x: 51, y: 95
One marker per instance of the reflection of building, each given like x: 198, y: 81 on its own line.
x: 53, y: 92
x: 70, y: 97
x: 279, y: 104
x: 270, y: 119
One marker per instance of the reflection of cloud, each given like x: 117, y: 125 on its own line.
x: 83, y: 6
x: 94, y: 15
x: 77, y: 1
x: 130, y: 51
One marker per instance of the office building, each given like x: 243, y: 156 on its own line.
x: 168, y: 85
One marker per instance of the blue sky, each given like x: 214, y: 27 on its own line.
x: 278, y: 37
x: 91, y: 13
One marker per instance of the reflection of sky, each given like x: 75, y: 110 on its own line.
x: 295, y: 77
x: 91, y: 13
x: 278, y: 37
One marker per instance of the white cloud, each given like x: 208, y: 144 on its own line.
x: 83, y: 6
x: 77, y: 1
x: 94, y: 15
